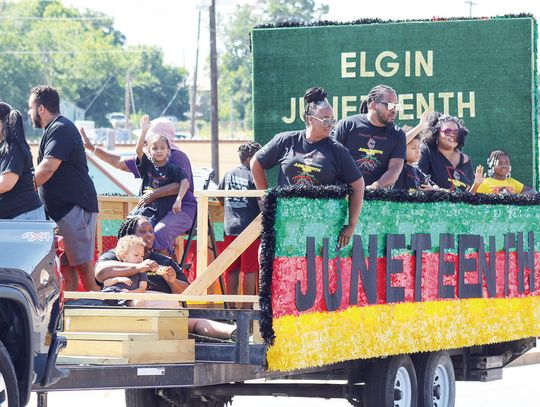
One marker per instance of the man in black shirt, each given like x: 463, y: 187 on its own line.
x: 65, y: 187
x: 376, y: 144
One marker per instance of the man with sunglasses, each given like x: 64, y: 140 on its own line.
x: 376, y: 144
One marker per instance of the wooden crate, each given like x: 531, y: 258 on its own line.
x: 166, y: 324
x: 132, y: 349
x: 126, y: 335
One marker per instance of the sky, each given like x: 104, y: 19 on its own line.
x: 172, y: 24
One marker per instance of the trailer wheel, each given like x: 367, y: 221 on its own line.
x: 436, y: 380
x: 9, y: 390
x: 144, y: 398
x: 391, y: 383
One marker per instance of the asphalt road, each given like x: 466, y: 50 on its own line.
x: 519, y: 387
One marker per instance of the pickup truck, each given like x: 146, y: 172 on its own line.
x: 30, y: 309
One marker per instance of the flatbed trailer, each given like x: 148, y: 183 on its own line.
x: 408, y: 374
x: 224, y: 370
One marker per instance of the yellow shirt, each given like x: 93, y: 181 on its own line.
x: 495, y: 186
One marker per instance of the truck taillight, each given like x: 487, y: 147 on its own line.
x: 59, y: 249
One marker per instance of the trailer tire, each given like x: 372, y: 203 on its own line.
x: 391, y: 383
x: 144, y: 398
x: 436, y: 380
x: 9, y: 389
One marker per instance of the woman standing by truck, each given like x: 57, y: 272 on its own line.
x: 18, y: 196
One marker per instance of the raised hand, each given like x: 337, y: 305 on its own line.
x: 145, y: 123
x: 479, y: 175
x: 86, y: 141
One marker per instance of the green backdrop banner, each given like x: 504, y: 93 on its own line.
x: 480, y: 70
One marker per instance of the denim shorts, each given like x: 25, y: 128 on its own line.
x: 34, y: 214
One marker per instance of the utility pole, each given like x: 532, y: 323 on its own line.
x: 214, y: 90
x: 127, y: 98
x: 470, y: 3
x: 193, y: 101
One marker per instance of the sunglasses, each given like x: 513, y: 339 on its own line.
x: 450, y: 132
x: 391, y: 105
x: 326, y: 122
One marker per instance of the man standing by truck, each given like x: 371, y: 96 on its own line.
x: 65, y: 187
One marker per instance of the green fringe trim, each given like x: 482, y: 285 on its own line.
x: 288, y: 24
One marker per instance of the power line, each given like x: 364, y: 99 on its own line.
x: 52, y: 52
x: 57, y: 18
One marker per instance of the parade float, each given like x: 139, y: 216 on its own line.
x: 434, y: 287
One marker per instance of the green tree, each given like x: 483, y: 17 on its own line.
x: 293, y: 10
x: 235, y: 81
x: 86, y: 59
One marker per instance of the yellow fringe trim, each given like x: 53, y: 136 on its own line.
x: 323, y: 338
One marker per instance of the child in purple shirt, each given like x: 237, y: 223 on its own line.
x: 172, y: 225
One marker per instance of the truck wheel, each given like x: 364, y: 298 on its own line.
x: 144, y: 398
x: 9, y: 390
x: 436, y: 380
x: 391, y: 383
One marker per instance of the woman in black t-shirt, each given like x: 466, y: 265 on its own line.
x: 18, y: 196
x: 168, y: 278
x: 442, y: 158
x: 311, y: 157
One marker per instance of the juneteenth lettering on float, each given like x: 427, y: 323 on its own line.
x: 363, y: 275
x: 387, y: 64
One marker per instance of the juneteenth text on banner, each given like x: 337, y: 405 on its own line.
x: 386, y: 65
x: 474, y: 266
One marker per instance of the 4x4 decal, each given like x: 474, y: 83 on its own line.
x: 39, y: 236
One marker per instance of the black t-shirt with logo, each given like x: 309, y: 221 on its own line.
x: 155, y: 177
x: 371, y: 146
x: 443, y: 173
x: 325, y: 162
x: 22, y: 197
x: 239, y: 211
x: 70, y: 185
x: 410, y: 178
x: 155, y: 281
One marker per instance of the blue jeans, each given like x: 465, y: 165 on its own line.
x: 35, y: 214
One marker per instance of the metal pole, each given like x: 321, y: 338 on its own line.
x: 127, y: 103
x: 193, y: 102
x: 214, y: 89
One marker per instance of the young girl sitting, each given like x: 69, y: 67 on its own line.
x: 156, y: 171
x: 499, y: 180
x: 130, y: 249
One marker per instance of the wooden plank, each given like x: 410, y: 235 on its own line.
x: 111, y: 336
x: 182, y: 352
x: 222, y: 193
x: 167, y: 351
x: 225, y: 259
x: 163, y: 328
x: 215, y: 298
x: 90, y: 360
x: 112, y: 210
x: 118, y: 198
x: 124, y: 311
x: 202, y: 234
x: 216, y: 211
